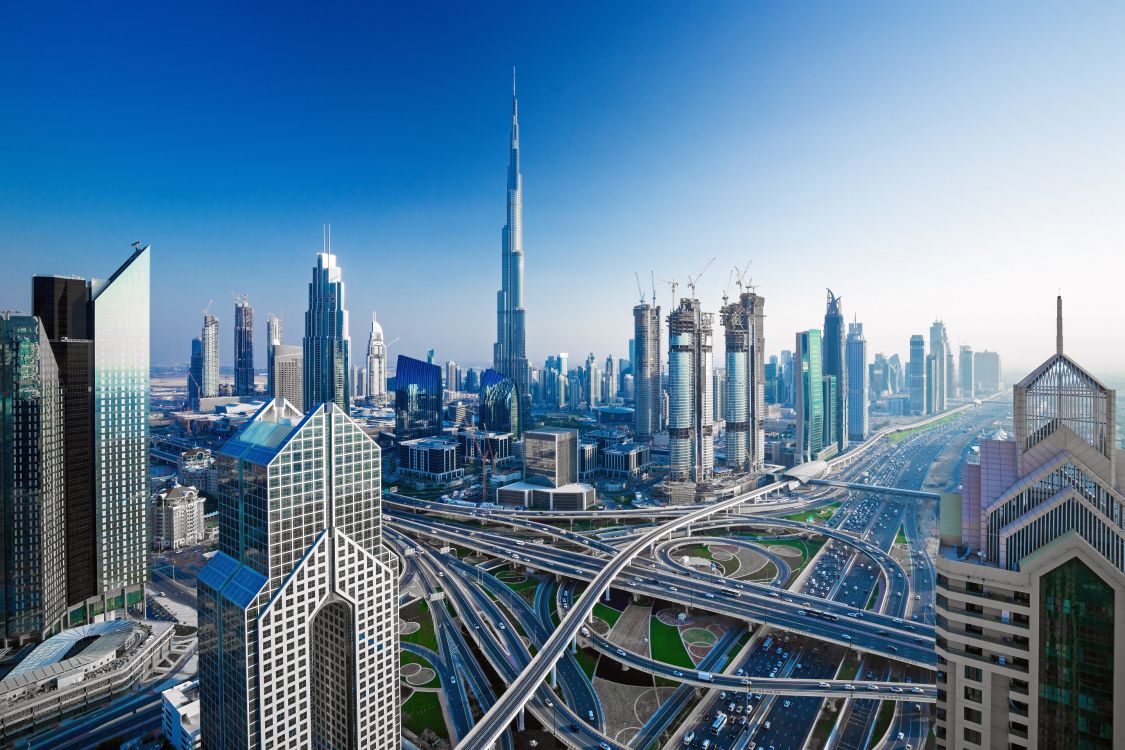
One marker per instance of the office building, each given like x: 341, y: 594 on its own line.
x: 298, y: 610
x: 950, y: 374
x: 610, y: 381
x: 855, y: 354
x: 986, y: 372
x: 432, y: 459
x: 195, y: 374
x: 499, y: 404
x: 718, y: 398
x: 809, y: 381
x: 376, y: 362
x: 243, y: 347
x: 968, y: 385
x: 177, y: 518
x: 418, y: 400
x: 626, y: 460
x: 646, y: 370
x: 472, y: 380
x: 593, y: 382
x: 745, y: 387
x: 916, y: 377
x: 509, y: 354
x: 896, y: 374
x: 550, y: 456
x: 835, y: 366
x: 829, y: 396
x: 326, y: 344
x: 33, y: 589
x: 180, y: 716
x: 690, y: 430
x: 773, y: 387
x: 937, y: 382
x: 1031, y: 575
x: 287, y: 377
x: 209, y: 385
x: 273, y: 338
x: 99, y: 333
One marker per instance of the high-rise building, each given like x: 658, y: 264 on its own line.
x: 452, y: 376
x: 243, y: 347
x: 418, y: 399
x: 99, y: 333
x: 718, y: 397
x: 896, y: 374
x: 858, y: 386
x: 965, y: 370
x: 593, y: 383
x: 33, y: 590
x: 209, y: 385
x: 878, y: 377
x: 1030, y: 582
x: 986, y: 372
x: 939, y: 346
x: 632, y: 353
x: 195, y: 373
x: 830, y: 396
x: 835, y: 365
x: 273, y: 337
x: 917, y: 375
x: 646, y: 370
x: 550, y: 456
x: 288, y: 375
x: 499, y: 404
x: 298, y: 610
x: 950, y: 374
x: 690, y: 424
x: 376, y: 362
x: 744, y: 331
x: 509, y: 354
x: 326, y: 342
x: 809, y: 380
x: 609, y: 392
x: 358, y: 381
x: 787, y: 378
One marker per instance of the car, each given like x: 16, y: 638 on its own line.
x: 849, y: 687
x: 786, y: 704
x: 823, y: 684
x: 604, y: 745
x: 900, y: 736
x: 621, y: 652
x: 917, y: 690
x: 847, y: 637
x: 677, y: 672
x: 873, y: 687
x: 550, y: 703
x: 893, y: 649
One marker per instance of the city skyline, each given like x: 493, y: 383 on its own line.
x: 595, y: 133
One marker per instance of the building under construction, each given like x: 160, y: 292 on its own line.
x: 743, y: 324
x: 690, y: 362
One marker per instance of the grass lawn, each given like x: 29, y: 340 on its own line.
x: 895, y: 438
x: 423, y: 711
x: 667, y: 646
x: 901, y: 538
x: 419, y: 612
x: 609, y: 614
x: 883, y: 720
x: 871, y: 599
x: 765, y: 573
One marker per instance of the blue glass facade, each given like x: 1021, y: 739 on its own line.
x: 499, y: 403
x: 417, y: 399
x: 326, y: 342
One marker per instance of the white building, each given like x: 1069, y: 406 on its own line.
x: 177, y: 518
x: 376, y: 362
x: 181, y: 716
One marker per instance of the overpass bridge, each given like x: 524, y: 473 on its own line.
x: 919, y: 494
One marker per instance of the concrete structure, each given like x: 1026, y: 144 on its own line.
x: 196, y: 467
x: 646, y: 370
x: 576, y: 496
x: 835, y: 366
x: 690, y: 425
x: 209, y: 384
x: 744, y: 333
x: 326, y: 345
x: 180, y: 716
x: 287, y: 379
x: 986, y: 372
x: 626, y: 460
x: 858, y: 387
x: 243, y: 347
x: 298, y: 644
x: 1031, y: 577
x: 496, y: 447
x: 376, y: 362
x: 177, y: 518
x: 32, y: 482
x: 431, y: 459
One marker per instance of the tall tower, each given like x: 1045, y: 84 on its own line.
x: 646, y: 369
x: 744, y: 326
x: 808, y: 378
x: 376, y: 362
x: 916, y: 375
x: 858, y: 384
x: 195, y: 373
x: 326, y: 341
x: 209, y: 387
x: 834, y: 366
x: 273, y: 338
x: 243, y: 347
x: 939, y: 347
x: 298, y: 608
x: 509, y: 354
x: 690, y: 424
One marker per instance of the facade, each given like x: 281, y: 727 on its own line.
x: 209, y: 383
x: 690, y: 424
x: 593, y: 383
x: 626, y: 460
x: 298, y: 645
x: 916, y: 375
x: 287, y: 375
x: 568, y: 497
x: 273, y: 338
x: 177, y: 518
x: 646, y: 370
x: 417, y: 400
x: 1031, y: 583
x: 432, y: 459
x: 937, y: 384
x: 744, y: 329
x: 986, y: 372
x: 550, y: 456
x: 243, y: 347
x: 376, y: 362
x: 33, y: 591
x: 809, y: 381
x: 326, y: 344
x: 509, y: 354
x: 195, y: 374
x: 830, y: 396
x: 180, y: 716
x: 968, y: 385
x: 834, y: 365
x: 855, y: 353
x: 499, y: 404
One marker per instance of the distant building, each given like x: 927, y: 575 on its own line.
x: 196, y: 468
x: 288, y: 376
x: 418, y: 400
x: 917, y: 375
x: 593, y: 383
x: 432, y: 459
x: 809, y: 380
x: 835, y: 366
x: 273, y: 337
x: 858, y: 388
x: 180, y: 716
x: 646, y: 370
x: 195, y: 374
x: 243, y: 347
x: 968, y: 385
x: 376, y: 362
x: 177, y: 518
x: 550, y: 456
x: 937, y: 384
x: 830, y: 396
x: 986, y: 372
x: 496, y: 447
x: 209, y: 385
x: 326, y: 344
x: 690, y: 416
x: 499, y: 404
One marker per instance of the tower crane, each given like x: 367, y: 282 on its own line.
x: 742, y: 276
x: 639, y: 290
x: 672, y: 283
x: 207, y: 310
x: 692, y: 281
x: 726, y: 289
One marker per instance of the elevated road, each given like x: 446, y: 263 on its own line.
x: 920, y: 494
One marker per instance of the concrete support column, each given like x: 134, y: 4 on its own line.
x: 605, y: 596
x: 574, y: 645
x: 555, y: 676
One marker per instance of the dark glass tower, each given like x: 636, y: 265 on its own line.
x: 243, y: 347
x: 417, y: 399
x: 195, y: 373
x: 836, y: 366
x: 499, y: 403
x: 326, y: 341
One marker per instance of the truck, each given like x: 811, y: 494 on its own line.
x: 719, y: 722
x: 689, y: 737
x: 706, y: 676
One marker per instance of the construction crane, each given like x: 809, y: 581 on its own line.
x: 207, y: 310
x: 692, y: 281
x: 672, y: 283
x: 639, y: 290
x: 726, y: 288
x: 742, y: 276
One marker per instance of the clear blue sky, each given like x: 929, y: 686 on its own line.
x: 962, y: 160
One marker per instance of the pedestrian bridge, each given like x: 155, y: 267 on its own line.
x: 876, y: 488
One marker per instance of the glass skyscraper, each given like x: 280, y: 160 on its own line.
x: 834, y: 365
x: 417, y: 399
x: 209, y: 384
x: 499, y: 403
x: 744, y: 407
x: 808, y: 378
x: 858, y: 384
x: 690, y: 411
x: 195, y: 373
x: 243, y: 347
x: 326, y: 342
x: 916, y: 375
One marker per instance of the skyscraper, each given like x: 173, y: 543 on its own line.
x: 609, y: 392
x: 986, y: 372
x: 99, y: 333
x: 939, y: 346
x: 273, y: 337
x: 593, y: 382
x: 690, y: 425
x: 326, y: 341
x: 452, y: 376
x: 209, y: 386
x: 195, y: 373
x: 744, y: 326
x: 646, y: 370
x: 288, y: 375
x: 243, y: 347
x: 509, y: 355
x: 809, y: 380
x: 32, y: 504
x: 858, y: 386
x: 499, y: 404
x: 916, y: 375
x: 418, y: 399
x: 966, y: 372
x: 376, y: 362
x: 1030, y: 638
x: 718, y: 398
x: 835, y: 366
x: 298, y: 644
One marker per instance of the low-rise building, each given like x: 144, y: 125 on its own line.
x: 575, y: 496
x: 181, y: 715
x: 177, y: 517
x: 431, y: 459
x: 626, y: 459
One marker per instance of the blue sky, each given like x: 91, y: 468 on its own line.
x: 961, y: 160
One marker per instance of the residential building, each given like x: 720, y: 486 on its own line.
x: 288, y: 374
x: 745, y: 386
x: 273, y: 338
x: 298, y: 609
x: 916, y: 377
x: 376, y: 362
x: 834, y: 365
x: 326, y: 344
x: 690, y: 417
x: 858, y: 387
x: 968, y: 385
x: 177, y: 518
x: 243, y: 347
x: 209, y: 383
x: 646, y: 370
x: 937, y: 384
x: 809, y: 381
x: 180, y: 716
x: 195, y: 374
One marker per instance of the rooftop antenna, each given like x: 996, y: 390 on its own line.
x: 639, y: 291
x: 323, y: 238
x: 330, y: 238
x: 513, y: 81
x: 1058, y: 324
x: 692, y: 282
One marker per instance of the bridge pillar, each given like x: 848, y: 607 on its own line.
x: 555, y: 676
x: 574, y: 645
x: 519, y: 719
x: 605, y: 596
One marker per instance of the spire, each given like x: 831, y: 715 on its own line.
x: 1058, y: 325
